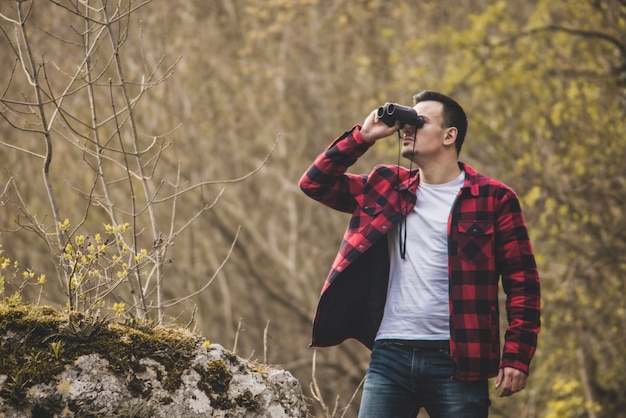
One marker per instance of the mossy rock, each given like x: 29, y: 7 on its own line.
x: 55, y: 363
x: 39, y: 341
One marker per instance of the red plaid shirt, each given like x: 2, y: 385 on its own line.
x: 487, y: 239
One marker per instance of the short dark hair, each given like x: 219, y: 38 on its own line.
x: 453, y: 113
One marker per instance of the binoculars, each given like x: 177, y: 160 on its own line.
x: 391, y: 112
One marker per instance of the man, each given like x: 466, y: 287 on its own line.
x: 416, y: 276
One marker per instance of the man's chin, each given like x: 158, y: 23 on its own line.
x: 408, y: 153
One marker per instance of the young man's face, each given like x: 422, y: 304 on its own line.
x: 429, y: 140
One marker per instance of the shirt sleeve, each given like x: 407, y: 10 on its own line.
x: 326, y: 179
x: 520, y: 281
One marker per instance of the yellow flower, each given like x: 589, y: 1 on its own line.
x: 42, y: 279
x: 142, y: 254
x: 5, y: 262
x: 119, y: 308
x: 65, y: 225
x: 79, y: 239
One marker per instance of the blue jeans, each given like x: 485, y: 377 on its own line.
x: 401, y: 380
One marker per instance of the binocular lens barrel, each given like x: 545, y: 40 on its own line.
x: 391, y: 112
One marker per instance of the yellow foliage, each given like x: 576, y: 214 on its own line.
x: 531, y: 197
x: 567, y: 400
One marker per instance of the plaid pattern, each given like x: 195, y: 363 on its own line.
x: 487, y: 239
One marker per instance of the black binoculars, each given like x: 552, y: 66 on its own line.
x: 391, y: 112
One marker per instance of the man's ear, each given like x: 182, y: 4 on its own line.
x: 450, y: 136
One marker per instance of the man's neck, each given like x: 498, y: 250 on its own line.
x: 439, y: 173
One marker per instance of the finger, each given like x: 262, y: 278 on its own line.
x: 518, y: 382
x: 374, y: 115
x: 506, y: 383
x: 499, y: 378
x: 506, y: 387
x: 514, y: 385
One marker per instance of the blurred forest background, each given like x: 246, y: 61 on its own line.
x: 178, y: 132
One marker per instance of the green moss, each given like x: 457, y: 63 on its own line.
x: 248, y: 401
x: 138, y: 389
x: 25, y: 355
x: 48, y: 407
x: 38, y: 341
x: 141, y: 324
x: 215, y: 381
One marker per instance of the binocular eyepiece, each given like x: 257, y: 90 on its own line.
x: 392, y: 112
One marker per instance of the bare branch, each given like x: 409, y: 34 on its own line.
x: 230, y: 181
x: 572, y: 31
x: 99, y: 10
x: 208, y: 283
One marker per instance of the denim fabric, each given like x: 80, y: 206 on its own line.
x: 401, y: 380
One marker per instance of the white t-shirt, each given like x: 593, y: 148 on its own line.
x: 417, y: 306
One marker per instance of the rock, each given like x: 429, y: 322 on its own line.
x: 212, y: 383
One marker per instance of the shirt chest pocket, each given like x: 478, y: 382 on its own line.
x: 476, y: 240
x: 365, y: 215
x: 367, y: 209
